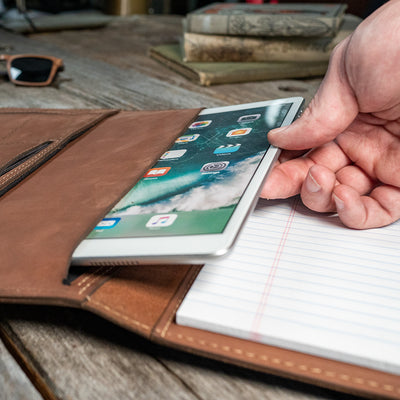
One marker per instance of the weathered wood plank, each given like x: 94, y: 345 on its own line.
x: 211, y: 380
x: 126, y: 41
x: 93, y: 84
x: 14, y: 384
x: 81, y: 356
x: 98, y: 84
x: 101, y: 84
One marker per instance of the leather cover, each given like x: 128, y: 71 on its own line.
x: 61, y: 171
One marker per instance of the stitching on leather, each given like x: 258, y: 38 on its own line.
x: 88, y: 276
x: 96, y: 278
x: 178, y: 303
x: 82, y: 279
x: 27, y: 164
x: 117, y: 313
x: 290, y: 364
x: 23, y: 166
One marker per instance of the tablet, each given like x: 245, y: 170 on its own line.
x: 189, y: 207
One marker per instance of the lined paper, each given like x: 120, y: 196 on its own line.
x: 302, y: 281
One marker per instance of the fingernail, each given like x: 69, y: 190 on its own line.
x: 277, y: 131
x: 339, y: 203
x: 311, y: 184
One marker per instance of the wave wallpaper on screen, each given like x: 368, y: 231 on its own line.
x: 195, y: 186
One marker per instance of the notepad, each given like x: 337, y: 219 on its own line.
x: 302, y: 281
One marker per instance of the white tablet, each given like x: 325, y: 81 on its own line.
x: 189, y: 207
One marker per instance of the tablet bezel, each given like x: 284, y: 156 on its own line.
x: 186, y: 249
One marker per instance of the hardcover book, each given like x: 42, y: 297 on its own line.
x: 211, y: 73
x: 199, y: 47
x: 288, y: 19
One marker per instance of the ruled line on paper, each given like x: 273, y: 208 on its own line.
x: 329, y: 327
x: 332, y: 292
x: 267, y: 289
x: 293, y: 285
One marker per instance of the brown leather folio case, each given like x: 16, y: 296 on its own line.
x: 60, y: 172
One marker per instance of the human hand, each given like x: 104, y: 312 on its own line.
x: 353, y: 128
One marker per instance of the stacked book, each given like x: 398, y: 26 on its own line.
x: 237, y: 42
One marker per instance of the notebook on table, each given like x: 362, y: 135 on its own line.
x: 302, y: 281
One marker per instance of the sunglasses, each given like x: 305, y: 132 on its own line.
x: 32, y: 70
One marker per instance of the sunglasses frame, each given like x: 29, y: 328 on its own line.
x: 57, y: 64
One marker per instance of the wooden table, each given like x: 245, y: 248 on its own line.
x: 56, y: 353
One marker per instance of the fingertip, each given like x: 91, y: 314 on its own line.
x: 277, y: 131
x: 316, y: 191
x: 338, y: 202
x: 350, y: 207
x: 379, y: 208
x: 311, y: 184
x: 271, y: 189
x: 274, y: 135
x: 299, y: 135
x: 341, y: 196
x: 279, y: 185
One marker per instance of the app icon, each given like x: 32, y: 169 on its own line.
x: 214, y: 166
x: 161, y: 220
x: 249, y: 118
x: 173, y: 154
x: 229, y: 148
x: 187, y: 138
x: 239, y: 132
x: 107, y: 223
x: 200, y: 124
x: 153, y: 172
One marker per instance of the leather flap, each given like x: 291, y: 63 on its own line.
x: 29, y: 137
x: 46, y: 215
x: 136, y: 297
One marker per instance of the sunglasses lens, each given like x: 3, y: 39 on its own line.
x: 31, y: 69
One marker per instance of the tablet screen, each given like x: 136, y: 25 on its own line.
x: 195, y: 186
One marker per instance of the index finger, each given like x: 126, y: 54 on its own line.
x: 286, y: 179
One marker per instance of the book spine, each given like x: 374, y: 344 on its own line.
x: 265, y: 25
x: 208, y: 48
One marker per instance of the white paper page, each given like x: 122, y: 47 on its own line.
x: 302, y: 281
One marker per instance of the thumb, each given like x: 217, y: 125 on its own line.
x: 330, y: 112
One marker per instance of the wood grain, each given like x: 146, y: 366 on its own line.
x: 14, y: 383
x: 82, y: 356
x: 125, y: 43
